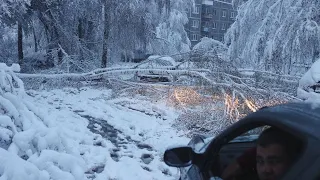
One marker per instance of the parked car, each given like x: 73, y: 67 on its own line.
x: 206, y: 158
x: 154, y: 78
x: 155, y: 62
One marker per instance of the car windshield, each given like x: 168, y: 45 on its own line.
x: 245, y: 138
x: 90, y: 89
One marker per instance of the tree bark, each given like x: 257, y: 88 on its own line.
x: 20, y: 45
x: 80, y: 29
x: 104, y: 58
x: 35, y: 39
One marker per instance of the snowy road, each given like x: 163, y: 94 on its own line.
x: 129, y: 135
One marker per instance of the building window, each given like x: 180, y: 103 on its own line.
x: 195, y: 23
x: 206, y: 26
x: 224, y: 13
x: 196, y: 10
x: 214, y: 25
x: 223, y: 26
x: 194, y: 37
x: 207, y: 11
x: 214, y: 12
x: 232, y: 14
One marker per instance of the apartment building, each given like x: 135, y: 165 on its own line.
x: 209, y: 18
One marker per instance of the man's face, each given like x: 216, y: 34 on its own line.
x: 272, y: 161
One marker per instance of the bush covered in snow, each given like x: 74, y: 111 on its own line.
x: 211, y: 54
x: 309, y: 84
x: 157, y: 61
x: 33, y: 146
x: 208, y: 44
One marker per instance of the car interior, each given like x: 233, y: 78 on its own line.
x: 231, y: 151
x: 234, y: 148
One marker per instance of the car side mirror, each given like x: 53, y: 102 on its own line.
x: 179, y: 156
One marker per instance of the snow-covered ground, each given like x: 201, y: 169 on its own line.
x: 118, y: 138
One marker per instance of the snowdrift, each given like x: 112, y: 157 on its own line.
x: 308, y: 83
x: 33, y: 146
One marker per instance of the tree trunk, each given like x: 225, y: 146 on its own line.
x: 90, y: 36
x: 54, y: 54
x: 81, y: 36
x: 104, y: 58
x: 35, y: 39
x: 104, y: 50
x: 60, y: 56
x: 20, y: 47
x: 80, y: 30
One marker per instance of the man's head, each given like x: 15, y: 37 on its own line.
x: 275, y: 153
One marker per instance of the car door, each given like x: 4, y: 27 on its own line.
x: 191, y: 173
x: 231, y: 133
x: 311, y: 171
x: 199, y: 143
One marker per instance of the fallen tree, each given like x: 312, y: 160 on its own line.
x: 197, y: 92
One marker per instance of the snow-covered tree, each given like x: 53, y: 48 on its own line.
x: 8, y: 47
x: 11, y: 8
x: 211, y: 54
x: 32, y: 146
x: 81, y: 35
x: 150, y: 27
x: 171, y: 38
x: 129, y: 29
x: 309, y: 83
x: 237, y: 3
x: 275, y: 35
x: 15, y: 13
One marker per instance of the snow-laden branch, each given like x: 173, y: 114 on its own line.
x: 267, y: 35
x: 211, y: 78
x: 31, y: 141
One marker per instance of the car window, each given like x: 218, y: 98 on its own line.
x: 242, y: 149
x: 250, y: 135
x: 245, y: 138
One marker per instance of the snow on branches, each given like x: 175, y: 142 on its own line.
x: 281, y: 36
x: 9, y: 8
x: 32, y: 145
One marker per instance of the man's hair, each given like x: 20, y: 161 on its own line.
x: 274, y: 135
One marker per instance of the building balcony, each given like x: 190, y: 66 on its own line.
x: 205, y: 29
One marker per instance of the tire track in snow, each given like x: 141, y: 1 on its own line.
x: 128, y: 144
x: 109, y: 132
